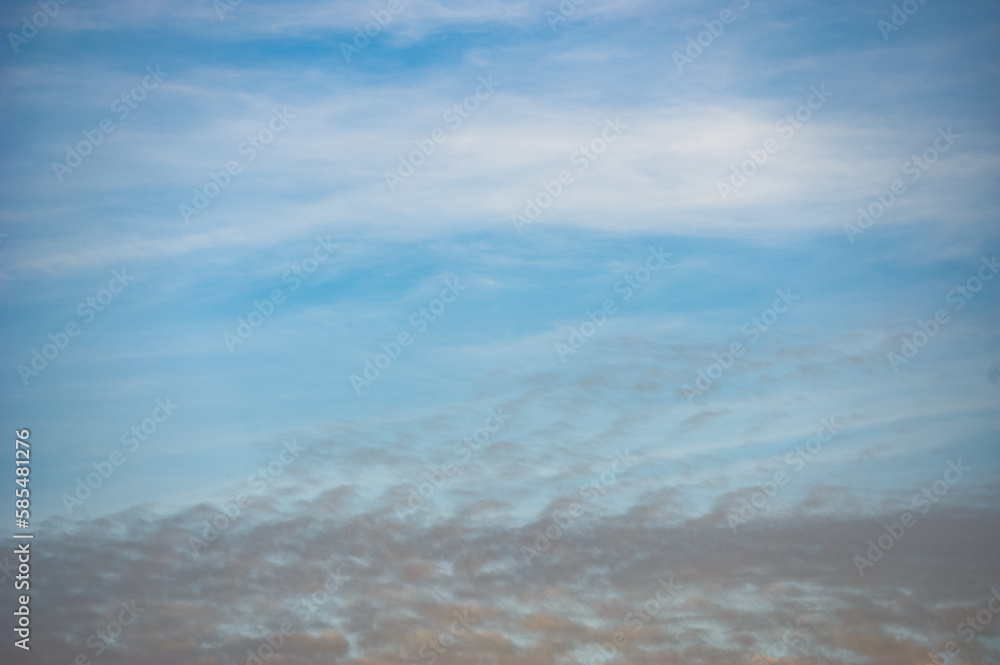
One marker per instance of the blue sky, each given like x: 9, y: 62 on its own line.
x: 328, y: 131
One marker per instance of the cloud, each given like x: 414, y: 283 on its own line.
x: 402, y: 586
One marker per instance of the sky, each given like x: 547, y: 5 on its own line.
x: 502, y: 333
